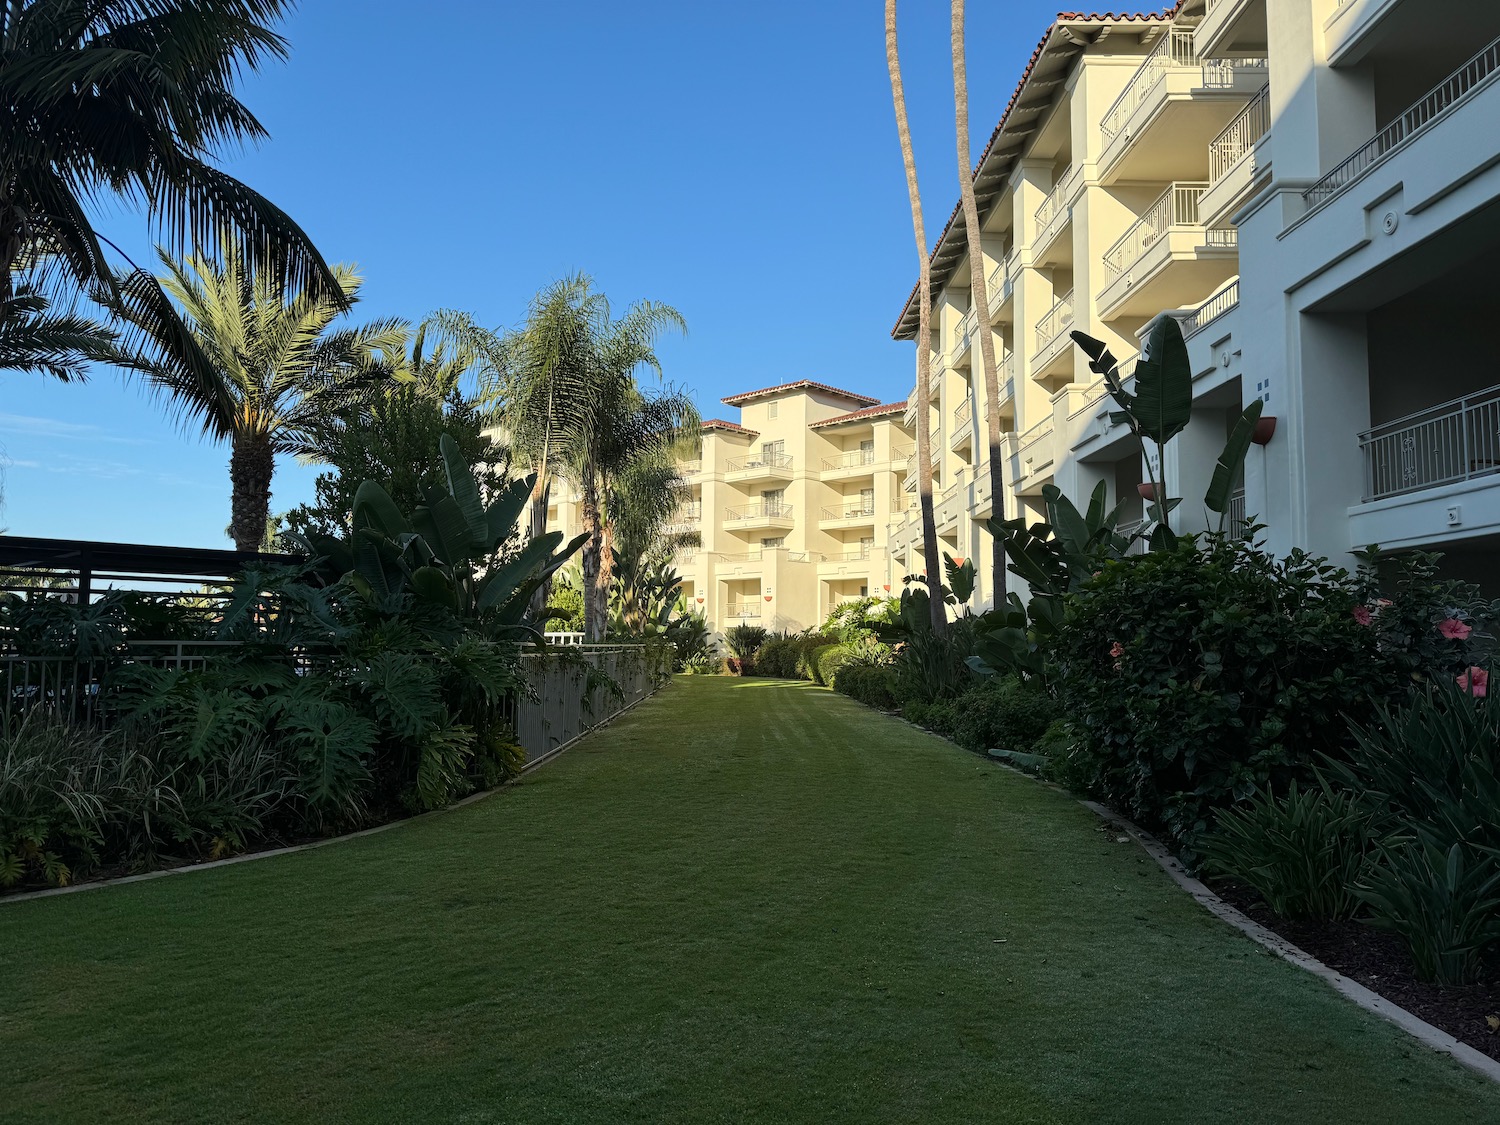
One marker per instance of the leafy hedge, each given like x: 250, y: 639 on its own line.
x: 874, y: 685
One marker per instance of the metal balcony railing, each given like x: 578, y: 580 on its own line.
x: 963, y: 412
x: 1235, y: 519
x: 759, y: 511
x: 740, y: 556
x: 851, y: 460
x: 759, y: 461
x: 743, y: 611
x: 1175, y: 51
x: 1055, y: 323
x: 1239, y: 136
x: 1176, y: 209
x: 1453, y: 441
x: 1137, y: 546
x: 859, y: 555
x: 1213, y: 308
x: 902, y: 453
x: 690, y: 513
x: 966, y: 331
x: 688, y: 468
x: 858, y: 510
x: 1437, y: 104
x: 1035, y: 445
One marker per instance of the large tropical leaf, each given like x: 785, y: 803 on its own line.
x: 1227, y: 470
x: 1163, y: 401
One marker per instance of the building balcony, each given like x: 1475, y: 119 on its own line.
x: 963, y: 347
x: 1225, y: 301
x: 1439, y: 104
x: 1000, y: 288
x: 745, y: 610
x: 1009, y: 444
x: 1052, y: 218
x: 1035, y: 456
x: 759, y: 466
x: 1053, y: 354
x: 1432, y: 476
x: 910, y: 483
x: 1172, y: 107
x: 1232, y: 27
x: 690, y: 468
x: 1167, y: 258
x: 950, y: 506
x: 1239, y: 161
x: 759, y: 517
x: 847, y: 517
x: 1354, y: 25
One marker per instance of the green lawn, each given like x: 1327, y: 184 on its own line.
x: 745, y: 901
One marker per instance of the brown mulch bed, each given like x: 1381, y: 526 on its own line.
x: 1379, y: 961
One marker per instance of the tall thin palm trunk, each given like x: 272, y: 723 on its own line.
x: 924, y: 321
x: 980, y: 297
x: 591, y: 516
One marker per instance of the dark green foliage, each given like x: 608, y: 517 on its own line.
x: 1302, y: 852
x: 744, y: 643
x: 779, y: 657
x: 1204, y: 675
x: 1003, y: 714
x: 874, y: 685
x: 396, y: 442
x: 827, y: 659
x: 689, y: 637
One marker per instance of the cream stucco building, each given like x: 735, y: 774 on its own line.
x: 793, y: 503
x: 1311, y: 187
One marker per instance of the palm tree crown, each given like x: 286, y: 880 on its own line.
x: 134, y: 98
x: 282, y: 375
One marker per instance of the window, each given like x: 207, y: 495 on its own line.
x: 771, y: 543
x: 866, y: 502
x: 773, y: 501
x: 771, y: 410
x: 867, y: 451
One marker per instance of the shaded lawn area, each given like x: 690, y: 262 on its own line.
x: 745, y: 901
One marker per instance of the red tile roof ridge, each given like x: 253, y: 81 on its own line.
x: 722, y: 424
x: 745, y: 396
x: 867, y: 412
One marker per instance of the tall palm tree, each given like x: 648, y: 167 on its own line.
x: 282, y: 375
x: 622, y: 431
x: 134, y: 99
x: 924, y: 321
x: 979, y: 294
x: 643, y: 504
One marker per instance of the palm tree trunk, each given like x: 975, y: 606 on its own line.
x: 980, y: 297
x: 589, y: 513
x: 251, y: 464
x: 605, y: 578
x: 924, y: 322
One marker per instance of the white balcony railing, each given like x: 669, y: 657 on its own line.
x: 1239, y: 136
x: 759, y: 461
x: 1453, y: 441
x: 903, y: 453
x: 1175, y: 51
x: 1176, y: 209
x: 1236, y: 520
x: 690, y: 513
x: 851, y: 460
x: 1437, y: 104
x: 858, y: 555
x: 1213, y: 308
x: 963, y: 412
x: 1001, y: 282
x: 1053, y: 213
x: 688, y: 468
x: 743, y: 611
x: 761, y: 510
x: 966, y: 331
x: 860, y: 509
x: 1128, y: 531
x: 1055, y: 323
x: 1034, y: 447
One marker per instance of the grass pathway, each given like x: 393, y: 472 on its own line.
x: 744, y: 901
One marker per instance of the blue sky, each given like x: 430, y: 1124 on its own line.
x: 736, y: 160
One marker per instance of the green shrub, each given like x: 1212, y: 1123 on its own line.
x: 807, y: 646
x: 829, y: 659
x: 874, y: 685
x: 1203, y: 675
x: 779, y: 657
x: 1303, y: 853
x: 744, y: 643
x: 1003, y: 714
x: 1444, y: 905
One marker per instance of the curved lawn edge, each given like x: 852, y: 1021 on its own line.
x: 1429, y: 1036
x: 311, y: 845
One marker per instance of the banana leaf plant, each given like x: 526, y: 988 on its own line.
x: 1158, y: 408
x: 450, y: 551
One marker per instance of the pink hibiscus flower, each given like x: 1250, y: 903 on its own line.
x: 1475, y: 681
x: 1454, y: 629
x: 1117, y: 650
x: 1361, y: 614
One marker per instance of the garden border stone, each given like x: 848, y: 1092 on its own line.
x: 270, y: 853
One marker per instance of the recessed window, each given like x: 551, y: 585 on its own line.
x: 773, y: 408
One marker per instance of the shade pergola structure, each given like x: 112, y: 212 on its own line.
x: 79, y: 567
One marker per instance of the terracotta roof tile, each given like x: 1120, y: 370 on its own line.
x: 721, y: 424
x: 746, y: 396
x: 868, y: 412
